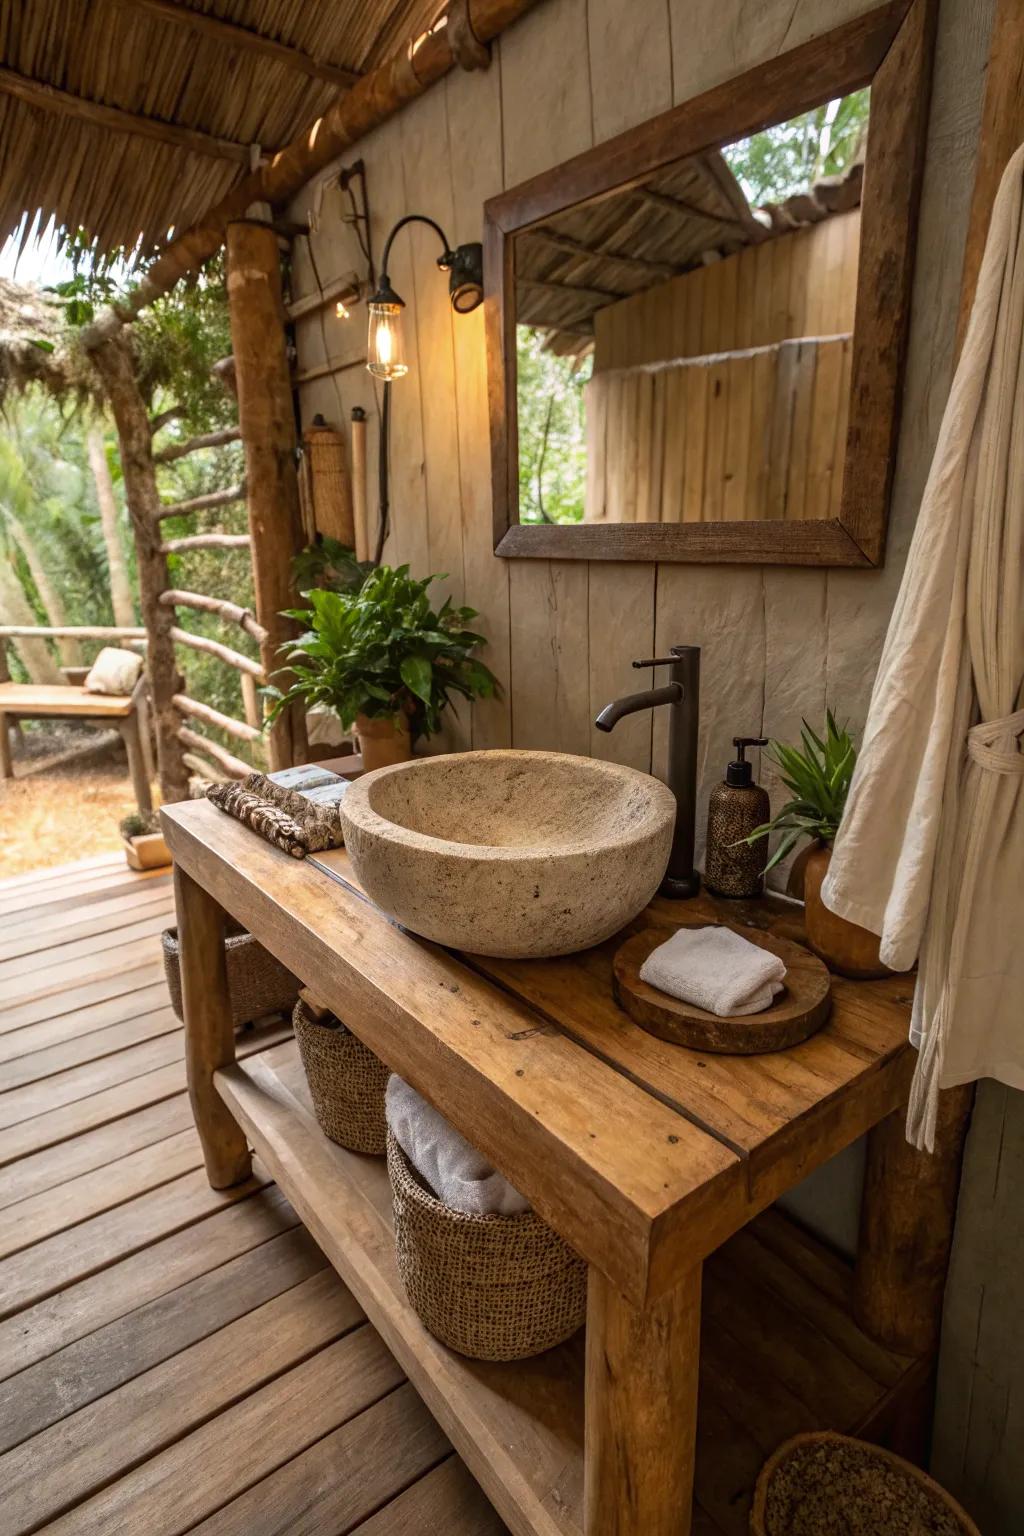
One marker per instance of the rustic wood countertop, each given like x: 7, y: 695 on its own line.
x: 644, y: 1155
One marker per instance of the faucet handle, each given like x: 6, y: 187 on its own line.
x: 657, y: 661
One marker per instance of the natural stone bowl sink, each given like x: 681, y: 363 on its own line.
x: 510, y: 853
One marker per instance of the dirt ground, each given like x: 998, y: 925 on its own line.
x: 70, y: 789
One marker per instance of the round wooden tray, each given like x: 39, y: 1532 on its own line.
x: 800, y: 1009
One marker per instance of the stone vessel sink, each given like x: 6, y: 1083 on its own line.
x: 514, y: 854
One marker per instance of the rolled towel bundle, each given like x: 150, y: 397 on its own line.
x: 454, y: 1171
x: 715, y: 969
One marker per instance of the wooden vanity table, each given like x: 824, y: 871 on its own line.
x: 657, y: 1164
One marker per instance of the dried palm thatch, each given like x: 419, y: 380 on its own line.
x: 128, y: 117
x: 35, y: 347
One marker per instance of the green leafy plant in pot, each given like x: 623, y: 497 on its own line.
x: 817, y: 775
x: 384, y: 660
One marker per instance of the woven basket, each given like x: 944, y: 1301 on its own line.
x: 258, y: 983
x: 820, y: 1483
x: 346, y: 1083
x: 492, y: 1287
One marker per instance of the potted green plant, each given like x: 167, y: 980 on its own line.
x: 384, y: 660
x: 817, y: 775
x: 144, y: 845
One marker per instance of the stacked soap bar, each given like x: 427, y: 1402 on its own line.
x: 296, y: 809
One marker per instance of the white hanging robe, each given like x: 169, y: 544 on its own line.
x: 930, y: 852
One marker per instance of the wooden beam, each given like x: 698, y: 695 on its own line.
x: 71, y: 632
x: 267, y: 416
x: 224, y: 653
x: 205, y: 440
x: 203, y: 503
x: 221, y: 606
x: 232, y: 765
x: 668, y: 203
x: 409, y: 71
x: 347, y: 288
x: 47, y: 98
x: 206, y: 541
x: 233, y: 36
x: 210, y: 716
x: 577, y: 248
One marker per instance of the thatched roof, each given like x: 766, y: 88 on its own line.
x: 127, y: 117
x: 33, y: 345
x: 597, y: 253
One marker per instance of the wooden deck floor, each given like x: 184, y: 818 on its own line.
x: 172, y: 1359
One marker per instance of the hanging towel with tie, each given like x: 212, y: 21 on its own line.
x: 930, y: 853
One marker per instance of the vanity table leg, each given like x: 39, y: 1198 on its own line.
x: 641, y: 1410
x: 209, y: 1031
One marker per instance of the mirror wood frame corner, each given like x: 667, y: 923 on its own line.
x: 888, y: 48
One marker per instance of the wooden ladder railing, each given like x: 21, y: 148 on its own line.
x: 203, y: 755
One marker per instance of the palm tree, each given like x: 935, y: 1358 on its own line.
x: 120, y: 584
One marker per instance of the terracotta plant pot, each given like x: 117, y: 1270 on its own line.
x: 383, y: 741
x: 845, y: 947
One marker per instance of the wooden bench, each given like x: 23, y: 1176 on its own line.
x: 31, y: 701
x: 658, y: 1165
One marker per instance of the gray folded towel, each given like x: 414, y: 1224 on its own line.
x: 460, y: 1177
x: 715, y: 969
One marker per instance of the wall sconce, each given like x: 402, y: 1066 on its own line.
x: 385, y: 352
x: 385, y: 346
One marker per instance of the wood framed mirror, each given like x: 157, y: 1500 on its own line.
x: 681, y: 369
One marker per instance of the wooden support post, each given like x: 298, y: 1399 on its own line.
x: 359, y: 483
x: 267, y: 420
x: 131, y: 736
x: 6, y: 760
x: 209, y: 1031
x: 114, y: 363
x: 908, y: 1211
x: 641, y: 1410
x: 251, y: 701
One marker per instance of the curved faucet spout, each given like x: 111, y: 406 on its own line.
x: 612, y: 713
x: 683, y: 694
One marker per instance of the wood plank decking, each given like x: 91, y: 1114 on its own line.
x: 172, y: 1358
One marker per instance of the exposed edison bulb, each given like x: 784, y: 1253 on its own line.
x: 385, y: 353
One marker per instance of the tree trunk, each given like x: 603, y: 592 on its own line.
x: 15, y: 609
x: 69, y: 650
x: 120, y: 587
x: 267, y: 418
x: 114, y: 363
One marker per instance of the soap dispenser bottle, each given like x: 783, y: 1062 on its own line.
x: 736, y: 807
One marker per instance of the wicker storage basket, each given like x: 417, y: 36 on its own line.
x: 821, y: 1483
x: 346, y: 1083
x: 492, y: 1287
x: 258, y: 983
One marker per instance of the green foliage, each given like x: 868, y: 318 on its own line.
x: 46, y: 486
x: 818, y: 778
x: 177, y: 339
x: 384, y: 651
x: 329, y: 563
x: 552, y: 431
x: 790, y: 157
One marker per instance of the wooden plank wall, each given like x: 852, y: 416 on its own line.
x: 800, y: 284
x: 737, y: 436
x: 777, y: 643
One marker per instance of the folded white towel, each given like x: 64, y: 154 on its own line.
x: 459, y: 1176
x: 715, y: 969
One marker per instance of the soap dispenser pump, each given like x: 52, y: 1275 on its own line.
x: 736, y: 807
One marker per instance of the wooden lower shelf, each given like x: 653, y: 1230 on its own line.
x: 780, y: 1351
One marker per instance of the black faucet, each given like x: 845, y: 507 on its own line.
x: 682, y: 692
